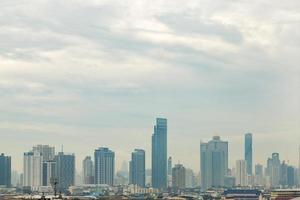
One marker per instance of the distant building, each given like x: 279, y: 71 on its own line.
x: 159, y: 154
x: 88, y: 170
x: 33, y: 170
x: 137, y: 170
x: 273, y: 170
x: 229, y: 181
x: 170, y: 166
x: 291, y: 180
x: 258, y: 178
x: 5, y: 170
x: 248, y: 152
x: 241, y: 173
x: 65, y: 170
x: 178, y: 176
x: 104, y: 166
x: 190, y: 181
x: 214, y: 163
x: 47, y: 151
x: 49, y: 172
x: 283, y: 174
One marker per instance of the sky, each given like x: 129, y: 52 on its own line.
x: 91, y: 73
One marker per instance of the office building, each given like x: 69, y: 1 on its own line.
x: 190, y: 181
x: 88, y: 170
x: 104, y: 166
x: 159, y: 154
x: 258, y: 178
x: 214, y: 163
x: 178, y: 176
x: 241, y: 173
x: 65, y: 170
x: 5, y: 170
x: 47, y: 152
x: 273, y: 170
x: 248, y: 152
x: 137, y: 170
x: 49, y: 172
x: 170, y: 166
x: 33, y: 170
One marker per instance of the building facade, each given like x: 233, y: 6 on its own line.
x: 248, y: 152
x: 49, y: 172
x: 159, y: 154
x: 178, y: 176
x: 137, y: 170
x: 33, y: 170
x: 104, y: 166
x: 214, y: 163
x: 241, y: 173
x: 88, y: 170
x: 65, y: 171
x: 5, y: 170
x: 47, y: 151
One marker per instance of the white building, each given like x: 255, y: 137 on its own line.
x: 241, y: 173
x: 33, y: 170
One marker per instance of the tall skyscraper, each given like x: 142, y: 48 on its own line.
x: 241, y: 173
x: 104, y: 166
x: 159, y: 154
x: 47, y: 152
x: 137, y: 171
x: 5, y: 170
x: 88, y: 170
x: 248, y: 152
x: 190, y: 181
x: 33, y: 170
x: 214, y: 163
x: 178, y: 176
x: 49, y: 172
x: 65, y: 170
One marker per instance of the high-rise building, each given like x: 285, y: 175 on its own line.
x: 178, y: 176
x: 273, y: 170
x: 49, y: 170
x: 170, y: 166
x: 5, y: 170
x: 65, y: 170
x: 241, y: 173
x: 190, y: 181
x: 88, y: 170
x: 47, y: 152
x: 248, y: 152
x: 258, y: 175
x: 214, y: 162
x: 291, y: 176
x: 33, y: 170
x: 104, y: 166
x: 137, y: 170
x: 283, y: 174
x: 159, y: 154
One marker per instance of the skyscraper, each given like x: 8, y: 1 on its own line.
x: 190, y: 181
x: 214, y: 162
x: 248, y: 152
x: 104, y: 166
x: 65, y: 170
x: 5, y: 170
x: 291, y: 176
x: 159, y: 154
x: 47, y: 152
x: 258, y: 175
x: 49, y: 172
x: 178, y: 176
x: 33, y: 170
x: 137, y: 171
x: 88, y: 170
x: 241, y: 173
x: 273, y: 170
x: 170, y: 166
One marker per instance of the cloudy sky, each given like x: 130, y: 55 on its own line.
x: 90, y: 73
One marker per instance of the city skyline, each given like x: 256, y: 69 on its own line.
x: 96, y: 73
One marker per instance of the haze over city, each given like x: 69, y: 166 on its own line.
x: 85, y: 74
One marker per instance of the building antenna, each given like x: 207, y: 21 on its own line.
x: 62, y: 148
